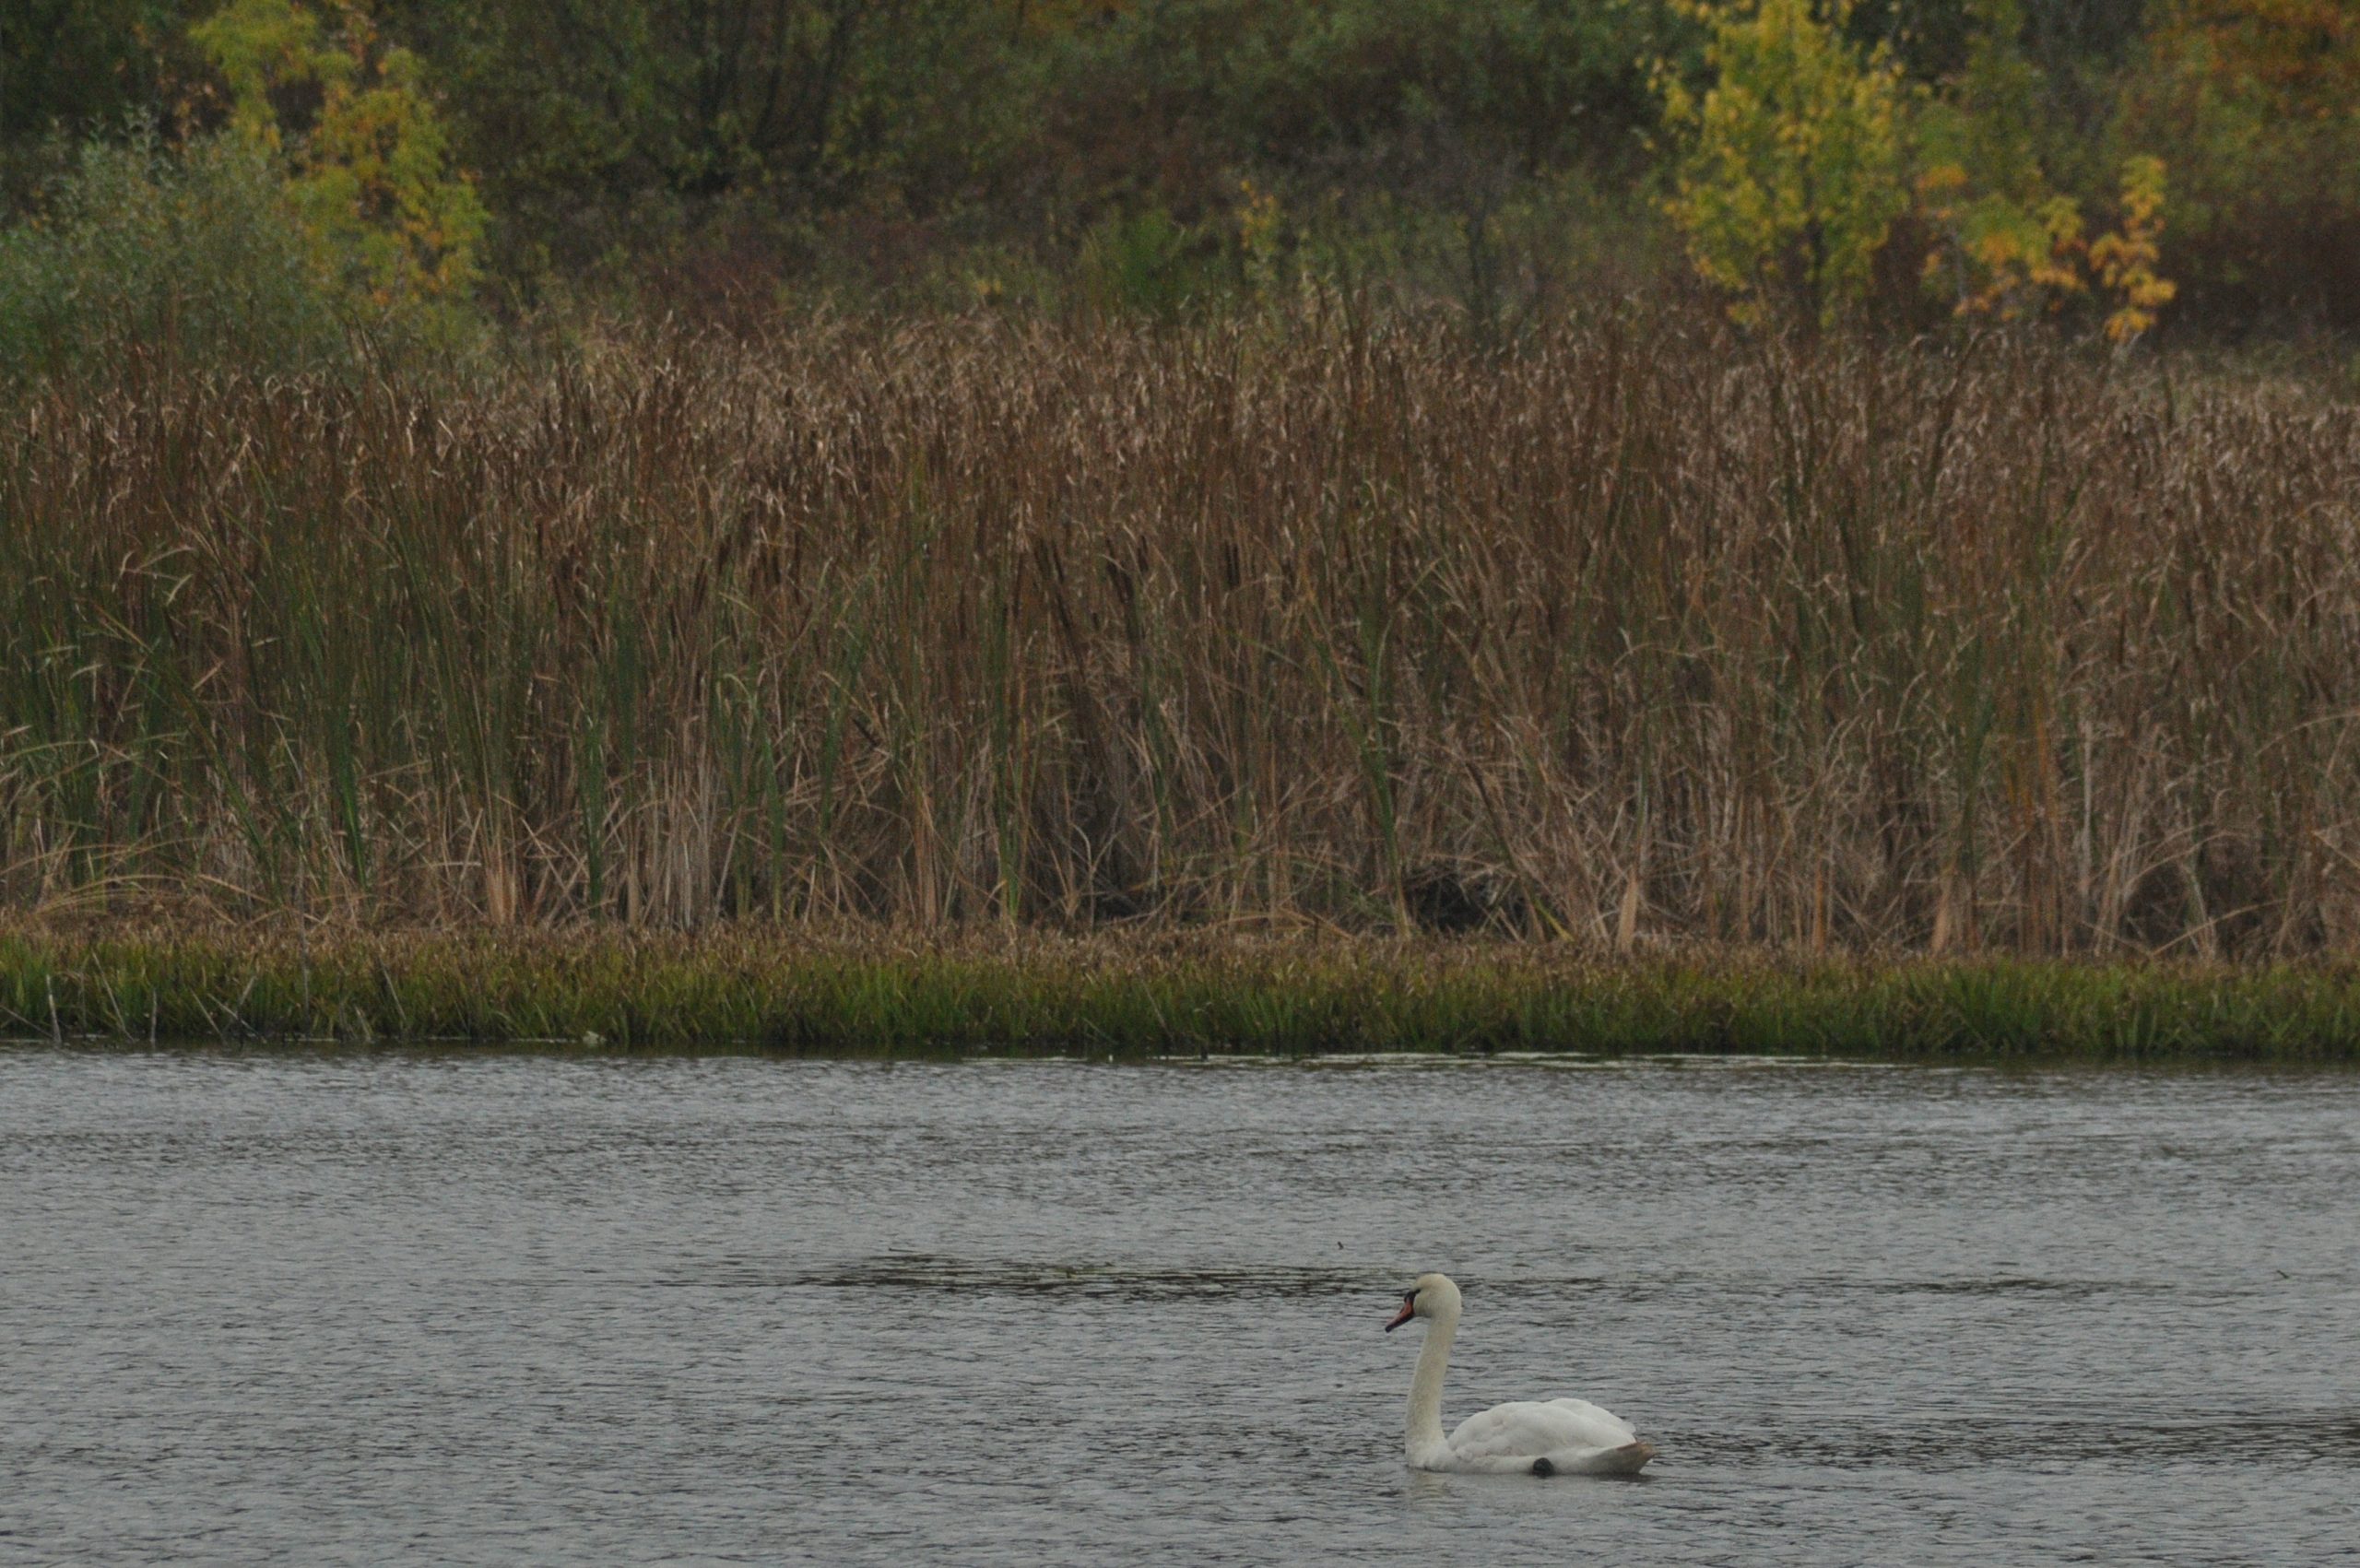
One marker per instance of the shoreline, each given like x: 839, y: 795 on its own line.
x: 1143, y: 993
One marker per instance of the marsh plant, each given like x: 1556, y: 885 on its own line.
x: 1643, y: 628
x: 839, y: 988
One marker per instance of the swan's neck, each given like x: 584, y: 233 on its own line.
x: 1425, y: 1435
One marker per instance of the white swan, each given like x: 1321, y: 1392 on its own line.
x: 1539, y: 1437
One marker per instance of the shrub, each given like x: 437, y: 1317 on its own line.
x: 196, y: 254
x: 2007, y: 242
x: 1147, y: 264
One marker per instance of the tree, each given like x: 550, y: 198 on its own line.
x: 1792, y: 168
x: 368, y: 162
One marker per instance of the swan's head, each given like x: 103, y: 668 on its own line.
x: 1429, y: 1295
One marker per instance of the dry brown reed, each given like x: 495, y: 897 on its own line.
x: 1638, y: 631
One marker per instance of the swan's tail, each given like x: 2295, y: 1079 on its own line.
x: 1626, y: 1460
x: 1632, y: 1456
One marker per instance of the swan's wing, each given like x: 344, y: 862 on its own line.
x: 1529, y: 1428
x: 1605, y: 1428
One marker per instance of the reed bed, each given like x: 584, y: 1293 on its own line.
x: 792, y: 989
x: 1638, y: 633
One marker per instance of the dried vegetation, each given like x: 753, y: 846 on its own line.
x: 1641, y: 633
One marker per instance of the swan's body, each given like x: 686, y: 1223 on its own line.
x: 1532, y: 1436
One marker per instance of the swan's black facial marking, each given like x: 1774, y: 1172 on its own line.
x: 1541, y: 1467
x: 1409, y: 1309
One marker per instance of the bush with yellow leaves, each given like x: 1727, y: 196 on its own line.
x: 1797, y: 161
x: 1793, y: 167
x: 367, y: 161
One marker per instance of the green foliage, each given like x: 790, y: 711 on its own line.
x: 2254, y: 105
x: 1528, y: 84
x: 1147, y: 264
x: 327, y: 203
x: 2006, y: 241
x: 614, y: 124
x: 196, y: 253
x: 1791, y: 169
x: 1987, y: 122
x: 713, y: 157
x: 369, y: 168
x: 1161, y: 992
x: 78, y: 65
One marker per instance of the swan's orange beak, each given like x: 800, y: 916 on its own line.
x: 1409, y: 1309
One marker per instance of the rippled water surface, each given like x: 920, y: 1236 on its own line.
x: 394, y: 1308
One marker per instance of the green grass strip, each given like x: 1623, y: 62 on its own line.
x: 1171, y: 992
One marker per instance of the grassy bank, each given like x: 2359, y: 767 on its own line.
x: 1644, y: 631
x: 1166, y: 993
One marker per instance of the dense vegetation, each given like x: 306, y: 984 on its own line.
x: 1648, y: 482
x: 771, y: 989
x: 2191, y: 166
x: 1652, y: 627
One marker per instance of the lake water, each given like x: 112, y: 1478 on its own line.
x: 396, y: 1308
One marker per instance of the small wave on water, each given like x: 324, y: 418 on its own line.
x: 1111, y: 1282
x: 922, y: 1271
x: 930, y: 1271
x: 2276, y: 1439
